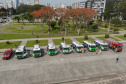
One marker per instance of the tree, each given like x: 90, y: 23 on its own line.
x: 45, y: 13
x: 95, y: 27
x: 16, y: 18
x: 29, y: 17
x: 53, y: 24
x: 116, y: 22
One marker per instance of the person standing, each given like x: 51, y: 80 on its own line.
x: 15, y: 46
x: 96, y: 50
x: 100, y: 51
x: 117, y: 59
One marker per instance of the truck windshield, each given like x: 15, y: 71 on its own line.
x: 119, y: 46
x: 19, y: 53
x: 105, y: 45
x: 79, y: 47
x: 36, y: 51
x: 51, y: 49
x: 93, y: 46
x: 6, y: 53
x: 66, y: 49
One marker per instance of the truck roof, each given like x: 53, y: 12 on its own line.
x: 102, y: 43
x: 65, y: 45
x: 36, y: 47
x: 77, y: 44
x: 111, y: 40
x: 92, y: 44
x: 51, y: 46
x: 7, y: 50
x: 20, y: 49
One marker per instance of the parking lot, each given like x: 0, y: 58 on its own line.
x: 74, y: 68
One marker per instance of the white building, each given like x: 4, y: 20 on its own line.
x: 99, y: 5
x: 1, y: 5
x: 28, y: 2
x: 21, y: 2
x: 16, y: 4
x: 62, y: 5
x: 5, y: 5
x: 82, y: 4
x: 10, y: 4
x: 75, y: 4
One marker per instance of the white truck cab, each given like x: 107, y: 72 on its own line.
x: 77, y: 46
x: 37, y: 51
x: 21, y: 52
x: 52, y: 49
x: 89, y: 46
x: 65, y: 48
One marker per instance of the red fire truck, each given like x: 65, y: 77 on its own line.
x: 116, y: 46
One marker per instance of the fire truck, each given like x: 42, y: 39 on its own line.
x: 7, y: 54
x: 116, y: 46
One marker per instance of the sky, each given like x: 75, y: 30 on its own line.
x: 44, y: 2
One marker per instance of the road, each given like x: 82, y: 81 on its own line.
x: 75, y: 68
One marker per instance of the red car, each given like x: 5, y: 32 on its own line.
x: 7, y: 54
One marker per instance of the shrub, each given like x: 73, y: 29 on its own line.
x: 116, y: 29
x: 116, y: 22
x: 95, y: 27
x: 63, y: 38
x: 36, y: 41
x: 106, y: 35
x: 7, y: 42
x: 86, y: 37
x: 106, y: 26
x: 124, y: 35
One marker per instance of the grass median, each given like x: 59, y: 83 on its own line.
x: 4, y: 45
x: 58, y: 41
x: 40, y: 43
x: 82, y: 39
x: 121, y: 37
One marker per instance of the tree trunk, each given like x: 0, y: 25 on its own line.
x: 48, y: 29
x: 78, y: 30
x: 42, y: 26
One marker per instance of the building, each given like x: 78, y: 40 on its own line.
x: 82, y: 4
x: 21, y: 2
x: 16, y: 4
x: 89, y: 3
x: 99, y: 6
x: 1, y: 5
x: 36, y: 2
x: 5, y: 5
x: 28, y: 2
x: 10, y: 4
x: 62, y: 5
x: 75, y: 4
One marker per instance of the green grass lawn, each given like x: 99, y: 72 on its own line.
x: 41, y: 43
x: 121, y: 37
x: 102, y: 37
x: 3, y: 45
x: 82, y: 39
x: 58, y: 41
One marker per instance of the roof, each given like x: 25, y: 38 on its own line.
x: 7, y: 50
x: 102, y: 43
x: 109, y: 40
x: 20, y: 49
x: 51, y: 46
x: 90, y: 43
x: 36, y: 47
x: 77, y: 44
x: 65, y: 45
